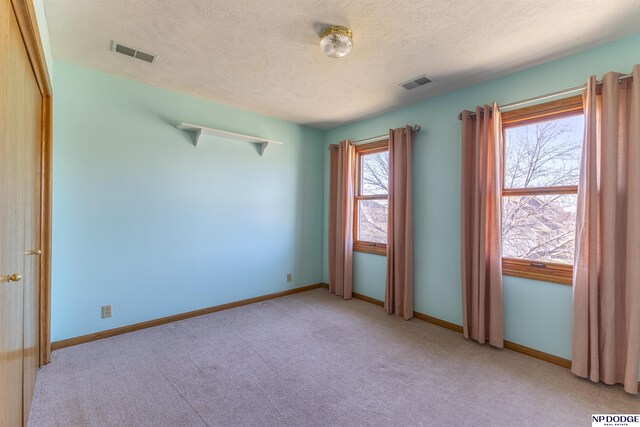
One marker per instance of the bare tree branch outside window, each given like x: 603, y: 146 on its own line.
x: 372, y: 214
x: 543, y: 154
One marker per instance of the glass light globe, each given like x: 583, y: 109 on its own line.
x: 336, y: 42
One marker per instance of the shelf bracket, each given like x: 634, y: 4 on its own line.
x: 261, y: 147
x: 196, y: 136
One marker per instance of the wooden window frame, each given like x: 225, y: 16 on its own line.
x: 360, y: 245
x: 529, y: 269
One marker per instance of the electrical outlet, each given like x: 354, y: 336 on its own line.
x: 289, y: 277
x: 106, y: 311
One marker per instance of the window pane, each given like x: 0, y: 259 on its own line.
x: 372, y: 221
x: 539, y: 228
x: 375, y: 173
x: 543, y: 154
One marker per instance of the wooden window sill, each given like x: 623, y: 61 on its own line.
x: 549, y: 272
x: 370, y: 248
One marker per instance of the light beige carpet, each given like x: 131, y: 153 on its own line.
x: 310, y: 359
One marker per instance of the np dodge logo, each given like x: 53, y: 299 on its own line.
x: 617, y: 420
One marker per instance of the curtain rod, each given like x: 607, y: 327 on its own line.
x: 416, y: 129
x: 549, y: 95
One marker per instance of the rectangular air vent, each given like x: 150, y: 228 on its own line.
x: 417, y: 82
x: 117, y: 47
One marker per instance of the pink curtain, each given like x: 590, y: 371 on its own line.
x: 399, y: 291
x: 606, y: 277
x: 481, y: 225
x: 341, y: 181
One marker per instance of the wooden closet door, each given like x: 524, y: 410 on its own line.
x: 12, y: 222
x: 20, y: 121
x: 32, y: 247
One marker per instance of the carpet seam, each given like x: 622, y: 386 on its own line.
x: 275, y: 372
x: 182, y: 396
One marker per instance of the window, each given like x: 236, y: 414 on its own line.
x: 371, y: 198
x: 541, y: 167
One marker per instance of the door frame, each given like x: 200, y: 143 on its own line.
x: 26, y: 17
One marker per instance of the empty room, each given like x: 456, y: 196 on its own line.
x: 319, y: 213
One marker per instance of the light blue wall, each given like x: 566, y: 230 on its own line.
x: 537, y: 314
x: 370, y: 273
x: 145, y: 221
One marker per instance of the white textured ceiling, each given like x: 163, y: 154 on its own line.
x: 264, y: 55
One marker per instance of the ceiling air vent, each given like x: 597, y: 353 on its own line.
x: 117, y: 47
x: 417, y: 82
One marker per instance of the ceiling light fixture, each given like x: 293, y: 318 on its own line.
x: 336, y: 42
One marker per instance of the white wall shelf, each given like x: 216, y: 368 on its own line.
x: 260, y: 143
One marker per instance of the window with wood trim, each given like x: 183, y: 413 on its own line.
x: 541, y: 167
x: 371, y: 210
